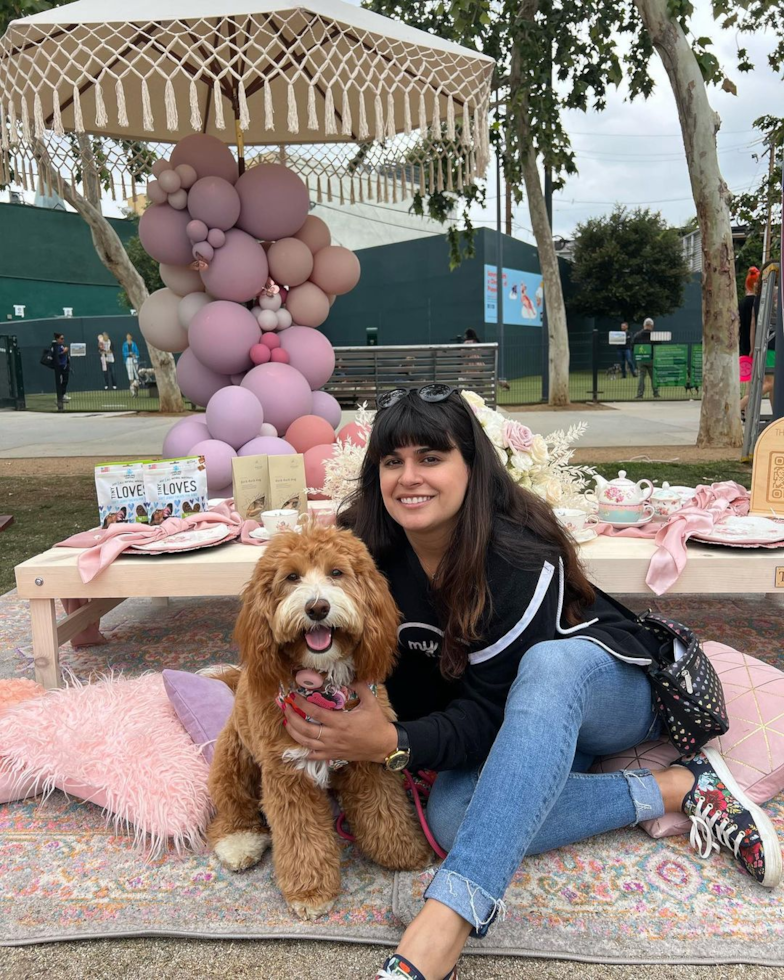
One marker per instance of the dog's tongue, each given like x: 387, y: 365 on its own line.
x: 319, y: 639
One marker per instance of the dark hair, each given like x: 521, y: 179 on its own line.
x: 57, y: 336
x: 471, y: 334
x: 494, y: 511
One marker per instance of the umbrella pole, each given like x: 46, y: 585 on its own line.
x: 239, y: 136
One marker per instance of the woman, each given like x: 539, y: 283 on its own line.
x: 107, y: 360
x: 746, y: 312
x: 769, y: 379
x: 513, y: 673
x: 130, y: 353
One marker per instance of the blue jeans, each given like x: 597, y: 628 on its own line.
x: 627, y: 358
x: 571, y: 701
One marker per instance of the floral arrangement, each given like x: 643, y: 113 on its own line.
x: 538, y: 463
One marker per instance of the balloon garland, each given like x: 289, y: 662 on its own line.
x: 249, y: 277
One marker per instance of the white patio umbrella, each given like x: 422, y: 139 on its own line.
x: 257, y: 72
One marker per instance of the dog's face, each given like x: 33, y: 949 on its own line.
x: 317, y: 600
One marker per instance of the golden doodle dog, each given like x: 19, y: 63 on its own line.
x: 316, y: 602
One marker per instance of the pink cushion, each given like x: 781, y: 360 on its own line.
x: 753, y: 748
x: 119, y: 744
x: 203, y: 705
x: 12, y: 691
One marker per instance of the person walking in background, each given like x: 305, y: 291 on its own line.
x: 107, y: 361
x: 625, y: 353
x: 645, y: 364
x: 62, y: 370
x: 472, y: 337
x: 130, y: 353
x: 746, y: 310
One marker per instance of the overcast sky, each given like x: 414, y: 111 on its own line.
x: 632, y: 152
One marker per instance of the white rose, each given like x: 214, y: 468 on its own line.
x: 474, y: 400
x: 539, y: 452
x: 494, y: 431
x: 522, y: 462
x: 521, y: 478
x: 553, y: 492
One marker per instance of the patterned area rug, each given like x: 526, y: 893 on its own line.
x: 622, y: 897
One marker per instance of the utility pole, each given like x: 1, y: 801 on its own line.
x: 508, y: 188
x: 767, y: 240
x: 499, y: 262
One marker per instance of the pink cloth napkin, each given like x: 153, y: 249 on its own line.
x: 701, y: 513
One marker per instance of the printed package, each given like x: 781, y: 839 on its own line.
x: 175, y: 487
x: 121, y: 497
x: 264, y: 483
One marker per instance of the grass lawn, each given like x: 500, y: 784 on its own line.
x: 528, y: 390
x: 48, y: 508
x: 95, y: 401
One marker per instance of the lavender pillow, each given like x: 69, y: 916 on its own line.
x: 202, y: 704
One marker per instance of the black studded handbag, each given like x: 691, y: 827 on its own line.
x: 687, y: 691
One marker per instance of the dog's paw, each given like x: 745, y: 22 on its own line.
x: 309, y: 912
x: 241, y: 850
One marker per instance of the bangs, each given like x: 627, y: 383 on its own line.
x: 410, y: 422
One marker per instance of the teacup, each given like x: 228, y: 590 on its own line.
x: 279, y: 520
x: 575, y: 521
x: 617, y: 513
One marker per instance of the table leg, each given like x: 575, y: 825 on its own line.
x: 46, y: 650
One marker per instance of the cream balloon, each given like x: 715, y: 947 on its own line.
x: 160, y: 324
x: 181, y: 279
x: 190, y: 306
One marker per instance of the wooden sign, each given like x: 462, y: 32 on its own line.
x: 767, y: 476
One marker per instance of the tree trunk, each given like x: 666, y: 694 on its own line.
x: 720, y: 423
x: 113, y: 255
x: 558, y: 334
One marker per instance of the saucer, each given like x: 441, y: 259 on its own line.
x: 622, y: 524
x: 583, y: 537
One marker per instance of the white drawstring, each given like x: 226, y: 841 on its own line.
x: 708, y: 827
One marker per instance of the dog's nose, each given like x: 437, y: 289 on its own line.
x: 317, y: 609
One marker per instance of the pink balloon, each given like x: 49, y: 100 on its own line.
x: 197, y: 231
x: 308, y: 431
x: 283, y: 392
x: 169, y: 181
x: 234, y: 415
x: 181, y: 279
x: 314, y: 233
x: 268, y: 430
x: 267, y: 446
x: 159, y: 321
x: 224, y: 493
x: 182, y: 436
x: 308, y: 305
x: 221, y: 335
x: 178, y: 200
x: 188, y: 175
x: 203, y: 250
x: 357, y: 434
x: 275, y: 201
x: 156, y: 193
x: 216, y: 237
x: 271, y: 340
x: 217, y: 456
x: 335, y: 270
x: 290, y: 261
x: 311, y: 354
x: 209, y: 157
x: 315, y: 474
x: 238, y: 270
x: 328, y: 407
x: 162, y: 233
x: 197, y: 382
x: 260, y: 353
x: 160, y: 166
x: 215, y: 201
x: 279, y: 356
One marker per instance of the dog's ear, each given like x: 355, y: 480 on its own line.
x: 259, y: 653
x: 375, y: 656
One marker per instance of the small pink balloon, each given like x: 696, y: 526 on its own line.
x: 335, y: 270
x: 178, y: 200
x: 315, y: 473
x: 274, y: 200
x: 156, y: 193
x: 314, y: 233
x: 279, y: 356
x: 308, y: 431
x: 221, y: 335
x: 197, y: 382
x: 268, y: 430
x: 215, y: 201
x: 290, y: 261
x: 307, y: 304
x: 284, y: 294
x: 239, y: 269
x: 270, y: 340
x: 356, y: 434
x: 197, y: 231
x: 163, y: 236
x: 181, y: 279
x: 234, y: 415
x: 216, y: 237
x: 170, y: 181
x: 187, y: 174
x: 182, y: 436
x: 203, y: 250
x: 283, y: 392
x: 260, y: 353
x: 160, y: 166
x: 268, y: 319
x: 217, y: 457
x: 267, y: 446
x: 209, y: 157
x: 311, y: 354
x: 328, y: 407
x: 284, y: 320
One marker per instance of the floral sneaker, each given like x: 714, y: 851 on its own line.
x: 397, y: 967
x: 721, y: 814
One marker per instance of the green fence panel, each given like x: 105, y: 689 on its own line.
x: 671, y: 365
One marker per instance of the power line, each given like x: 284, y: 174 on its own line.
x: 647, y: 136
x: 378, y: 221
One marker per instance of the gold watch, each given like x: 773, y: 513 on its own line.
x: 398, y: 760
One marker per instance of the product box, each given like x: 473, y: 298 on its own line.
x: 120, y: 489
x: 175, y: 487
x: 269, y: 483
x: 287, y: 483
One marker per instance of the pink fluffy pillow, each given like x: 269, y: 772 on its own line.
x: 13, y: 691
x: 119, y: 744
x: 753, y: 748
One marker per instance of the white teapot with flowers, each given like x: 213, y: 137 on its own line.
x: 623, y: 501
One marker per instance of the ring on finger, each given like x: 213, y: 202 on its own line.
x: 321, y: 729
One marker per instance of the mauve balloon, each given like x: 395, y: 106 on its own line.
x: 156, y: 193
x: 170, y: 181
x: 160, y: 166
x: 162, y: 233
x: 290, y: 261
x: 328, y: 407
x: 215, y: 202
x: 209, y: 157
x: 234, y: 415
x: 197, y: 382
x: 218, y: 456
x: 335, y: 269
x: 197, y: 231
x: 274, y: 201
x: 310, y: 353
x: 267, y: 446
x: 216, y: 237
x: 182, y: 436
x: 307, y: 304
x: 221, y: 335
x: 181, y: 279
x: 203, y: 250
x: 308, y: 431
x: 314, y: 233
x: 283, y: 392
x: 188, y: 175
x: 238, y: 270
x: 159, y: 321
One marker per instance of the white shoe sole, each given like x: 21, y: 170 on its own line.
x: 770, y: 840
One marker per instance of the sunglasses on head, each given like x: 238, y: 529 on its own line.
x: 428, y: 393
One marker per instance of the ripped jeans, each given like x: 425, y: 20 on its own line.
x: 571, y: 701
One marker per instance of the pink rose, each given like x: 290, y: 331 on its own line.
x: 517, y: 437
